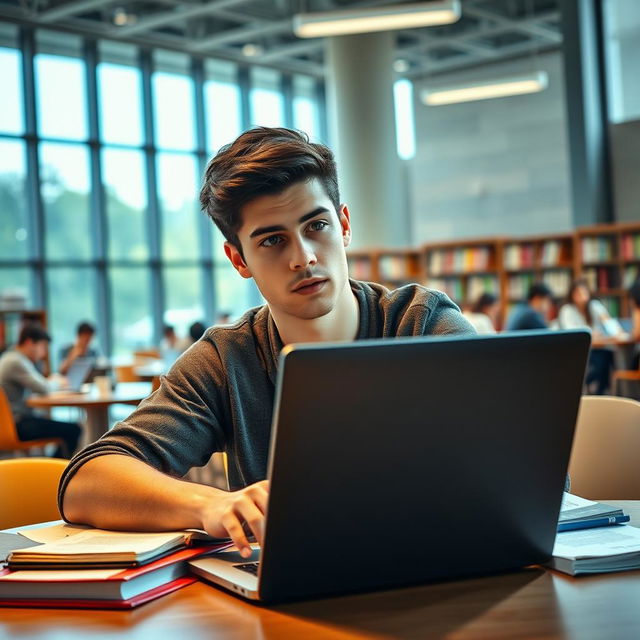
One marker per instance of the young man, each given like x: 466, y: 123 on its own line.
x: 81, y: 348
x: 275, y: 198
x: 534, y: 314
x: 19, y: 377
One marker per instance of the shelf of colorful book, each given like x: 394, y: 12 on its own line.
x: 398, y: 267
x: 464, y: 270
x: 362, y: 266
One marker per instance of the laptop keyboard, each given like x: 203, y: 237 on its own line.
x: 249, y: 567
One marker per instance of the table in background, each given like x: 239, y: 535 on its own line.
x: 95, y: 406
x: 533, y: 603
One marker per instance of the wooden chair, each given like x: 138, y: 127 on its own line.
x: 625, y: 375
x: 126, y: 373
x: 28, y: 490
x: 605, y: 459
x: 9, y: 440
x: 146, y: 354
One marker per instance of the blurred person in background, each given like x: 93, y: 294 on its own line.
x: 81, y: 348
x: 19, y: 378
x: 484, y: 313
x: 582, y: 311
x: 634, y: 297
x: 535, y: 312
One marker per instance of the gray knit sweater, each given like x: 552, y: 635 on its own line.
x: 219, y: 395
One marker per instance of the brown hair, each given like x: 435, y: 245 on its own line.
x: 581, y: 282
x: 259, y: 162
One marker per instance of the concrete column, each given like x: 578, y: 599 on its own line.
x: 362, y: 125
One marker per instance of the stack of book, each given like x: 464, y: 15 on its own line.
x: 98, y: 569
x: 593, y: 538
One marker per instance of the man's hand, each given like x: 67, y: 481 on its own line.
x: 226, y: 516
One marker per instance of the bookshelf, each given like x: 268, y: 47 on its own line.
x: 609, y: 260
x: 608, y: 256
x: 390, y: 267
x: 464, y: 269
x: 546, y: 258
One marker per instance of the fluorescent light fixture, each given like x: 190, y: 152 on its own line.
x: 495, y: 88
x: 406, y: 16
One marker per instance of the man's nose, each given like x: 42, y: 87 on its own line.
x: 302, y: 255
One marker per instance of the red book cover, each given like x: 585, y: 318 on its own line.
x: 86, y: 603
x: 99, y: 588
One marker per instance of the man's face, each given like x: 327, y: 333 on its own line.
x: 36, y: 350
x: 84, y: 339
x: 293, y: 244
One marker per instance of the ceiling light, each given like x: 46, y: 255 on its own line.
x: 122, y: 17
x: 408, y: 16
x: 401, y: 66
x: 251, y: 50
x: 494, y: 88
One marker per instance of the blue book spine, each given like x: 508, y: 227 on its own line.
x: 596, y: 522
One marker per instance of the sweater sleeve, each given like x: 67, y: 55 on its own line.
x: 27, y: 376
x: 177, y: 427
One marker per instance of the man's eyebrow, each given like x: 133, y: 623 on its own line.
x: 260, y: 231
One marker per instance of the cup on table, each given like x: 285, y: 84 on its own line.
x: 103, y: 385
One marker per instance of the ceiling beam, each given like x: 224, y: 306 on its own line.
x: 181, y: 13
x: 242, y: 34
x: 69, y: 9
x: 529, y: 25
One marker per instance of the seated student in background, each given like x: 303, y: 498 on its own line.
x: 81, y: 348
x: 582, y: 311
x: 484, y: 313
x: 634, y: 297
x: 19, y: 377
x: 535, y: 312
x: 274, y: 196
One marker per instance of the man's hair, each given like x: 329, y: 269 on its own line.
x: 634, y: 292
x: 85, y: 327
x: 539, y: 290
x: 168, y: 329
x: 32, y: 331
x: 196, y: 331
x: 484, y: 301
x: 262, y: 161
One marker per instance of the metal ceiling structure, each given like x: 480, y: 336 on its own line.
x: 260, y: 32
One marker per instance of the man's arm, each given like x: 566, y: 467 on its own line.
x: 74, y: 352
x: 28, y: 377
x: 120, y: 492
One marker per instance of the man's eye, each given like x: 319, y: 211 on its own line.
x: 318, y: 225
x: 271, y: 241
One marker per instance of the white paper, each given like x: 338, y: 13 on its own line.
x: 597, y: 542
x: 569, y: 501
x: 53, y: 533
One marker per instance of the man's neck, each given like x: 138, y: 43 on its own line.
x: 340, y: 324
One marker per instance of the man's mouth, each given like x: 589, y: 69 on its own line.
x: 309, y: 285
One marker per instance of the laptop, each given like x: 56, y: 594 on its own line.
x: 401, y: 461
x: 78, y: 373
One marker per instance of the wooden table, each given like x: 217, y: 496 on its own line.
x: 533, y: 603
x: 95, y: 405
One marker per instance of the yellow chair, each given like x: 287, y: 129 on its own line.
x: 9, y: 440
x: 28, y: 490
x: 605, y: 459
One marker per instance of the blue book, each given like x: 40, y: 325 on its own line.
x: 579, y: 513
x: 595, y: 522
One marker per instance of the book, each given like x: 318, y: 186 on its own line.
x: 580, y: 513
x: 96, y: 548
x: 102, y: 588
x: 600, y: 550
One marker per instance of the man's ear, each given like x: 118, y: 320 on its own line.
x: 236, y: 259
x: 345, y: 223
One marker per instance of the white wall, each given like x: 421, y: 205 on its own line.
x: 492, y: 167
